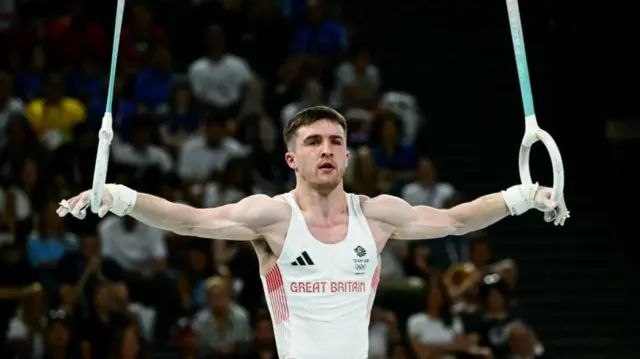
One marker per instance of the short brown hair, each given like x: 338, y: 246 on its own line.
x: 308, y: 116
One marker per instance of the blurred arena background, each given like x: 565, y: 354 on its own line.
x: 203, y: 87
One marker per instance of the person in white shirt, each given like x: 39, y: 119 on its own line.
x: 142, y: 252
x: 383, y: 332
x: 25, y: 330
x: 319, y: 246
x: 140, y: 152
x: 222, y: 327
x: 219, y: 79
x: 202, y: 155
x: 360, y: 72
x: 426, y: 190
x: 437, y: 332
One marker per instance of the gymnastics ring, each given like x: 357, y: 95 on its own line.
x: 533, y: 133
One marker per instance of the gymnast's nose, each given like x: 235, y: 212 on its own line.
x: 326, y: 151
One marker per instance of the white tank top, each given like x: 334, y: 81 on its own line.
x: 320, y: 295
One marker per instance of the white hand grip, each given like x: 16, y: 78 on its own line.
x: 532, y: 134
x: 105, y: 137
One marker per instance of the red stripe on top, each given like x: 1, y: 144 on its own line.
x: 277, y: 295
x: 376, y: 278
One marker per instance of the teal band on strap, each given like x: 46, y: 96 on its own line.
x: 521, y: 56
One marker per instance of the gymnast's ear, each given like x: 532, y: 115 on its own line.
x: 290, y: 158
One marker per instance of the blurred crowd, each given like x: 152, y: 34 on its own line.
x: 201, y: 92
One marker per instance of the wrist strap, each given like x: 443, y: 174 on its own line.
x: 124, y: 198
x: 520, y: 198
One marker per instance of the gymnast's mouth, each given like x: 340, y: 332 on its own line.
x: 327, y: 166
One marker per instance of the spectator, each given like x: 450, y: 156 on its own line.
x: 15, y: 212
x: 26, y: 327
x: 418, y: 262
x: 359, y: 124
x: 320, y: 35
x: 54, y: 115
x: 154, y: 82
x: 231, y: 17
x: 523, y: 345
x: 269, y: 173
x: 140, y: 152
x: 233, y: 185
x: 75, y: 35
x: 220, y: 79
x: 122, y: 109
x: 437, y: 332
x: 139, y: 35
x: 200, y: 156
x: 240, y: 261
x: 364, y: 178
x: 480, y: 256
x: 86, y: 84
x: 100, y: 328
x: 178, y: 117
x: 186, y: 340
x: 48, y: 244
x: 264, y: 344
x: 405, y: 107
x: 22, y: 144
x: 312, y: 95
x: 142, y: 317
x: 192, y: 280
x: 58, y: 337
x: 261, y: 42
x: 141, y: 251
x: 125, y: 344
x: 27, y: 33
x: 223, y: 328
x: 31, y: 182
x: 383, y: 331
x: 498, y: 317
x: 30, y: 80
x: 398, y: 350
x: 396, y: 159
x: 393, y: 257
x: 10, y: 106
x: 360, y: 72
x: 81, y: 270
x: 16, y: 277
x: 427, y: 190
x: 72, y: 164
x: 480, y: 253
x: 136, y: 247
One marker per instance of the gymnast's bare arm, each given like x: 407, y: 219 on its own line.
x: 392, y: 217
x: 399, y: 220
x: 245, y: 220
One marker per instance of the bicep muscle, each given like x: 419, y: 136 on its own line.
x: 244, y: 220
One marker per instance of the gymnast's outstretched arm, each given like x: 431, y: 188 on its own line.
x: 403, y: 221
x: 239, y: 221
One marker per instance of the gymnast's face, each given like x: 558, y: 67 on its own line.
x: 320, y: 155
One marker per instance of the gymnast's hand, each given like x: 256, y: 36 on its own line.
x: 553, y: 212
x: 78, y: 205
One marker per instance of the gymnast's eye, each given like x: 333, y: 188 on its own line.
x: 312, y: 141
